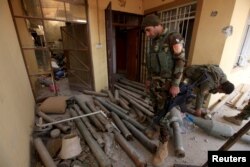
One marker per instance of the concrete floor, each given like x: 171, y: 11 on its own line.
x: 196, y: 142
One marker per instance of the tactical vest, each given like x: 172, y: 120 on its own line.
x: 160, y: 62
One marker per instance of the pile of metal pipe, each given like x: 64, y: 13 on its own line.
x: 120, y: 128
x: 101, y: 157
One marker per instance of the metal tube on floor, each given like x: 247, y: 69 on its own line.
x: 121, y: 126
x: 139, y: 87
x: 101, y: 107
x: 124, y: 105
x: 128, y: 92
x: 118, y: 107
x: 101, y: 157
x: 100, y: 117
x: 175, y: 120
x: 141, y: 102
x: 215, y: 128
x: 85, y: 109
x: 142, y: 93
x: 137, y: 105
x: 92, y: 130
x: 43, y: 153
x: 88, y: 92
x: 179, y: 149
x: 141, y: 137
x: 122, y: 115
x: 130, y: 150
x: 117, y: 98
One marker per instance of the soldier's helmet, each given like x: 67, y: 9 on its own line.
x: 227, y: 87
x: 150, y: 20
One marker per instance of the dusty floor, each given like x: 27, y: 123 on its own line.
x: 196, y: 142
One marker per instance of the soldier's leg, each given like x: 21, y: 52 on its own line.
x: 162, y: 151
x: 152, y: 131
x: 238, y: 119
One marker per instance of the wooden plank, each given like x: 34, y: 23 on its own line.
x: 241, y: 99
x: 245, y: 87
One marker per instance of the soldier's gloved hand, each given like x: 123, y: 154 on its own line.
x: 147, y: 86
x: 174, y: 90
x: 198, y: 112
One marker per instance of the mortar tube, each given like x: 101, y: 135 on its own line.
x: 130, y: 150
x: 179, y: 149
x: 92, y: 130
x: 126, y: 133
x: 152, y: 147
x: 215, y: 128
x: 100, y: 117
x: 122, y: 115
x: 101, y: 157
x: 86, y: 110
x: 43, y: 153
x: 175, y: 121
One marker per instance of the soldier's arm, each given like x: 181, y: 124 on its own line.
x: 202, y: 92
x: 176, y: 43
x: 177, y: 47
x: 199, y: 100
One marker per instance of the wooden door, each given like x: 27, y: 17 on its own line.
x: 76, y: 50
x: 133, y: 46
x: 109, y: 30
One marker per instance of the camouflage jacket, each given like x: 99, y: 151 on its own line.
x: 215, y: 77
x: 161, y: 60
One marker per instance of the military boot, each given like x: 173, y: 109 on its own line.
x: 162, y: 151
x: 237, y: 120
x: 161, y: 154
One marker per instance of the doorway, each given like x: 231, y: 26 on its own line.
x: 123, y: 45
x: 127, y: 52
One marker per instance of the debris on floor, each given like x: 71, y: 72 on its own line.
x: 109, y: 129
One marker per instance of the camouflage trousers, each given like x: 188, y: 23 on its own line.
x: 159, y: 94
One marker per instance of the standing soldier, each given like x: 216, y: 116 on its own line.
x: 165, y: 64
x: 211, y: 79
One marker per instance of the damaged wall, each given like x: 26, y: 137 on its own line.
x: 16, y: 99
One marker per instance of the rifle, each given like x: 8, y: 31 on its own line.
x: 180, y: 100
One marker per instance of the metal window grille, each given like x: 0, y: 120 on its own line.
x: 178, y: 19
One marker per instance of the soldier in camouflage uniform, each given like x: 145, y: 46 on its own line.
x: 165, y: 64
x: 243, y: 115
x: 211, y: 80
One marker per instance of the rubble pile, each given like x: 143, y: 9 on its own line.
x: 89, y: 130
